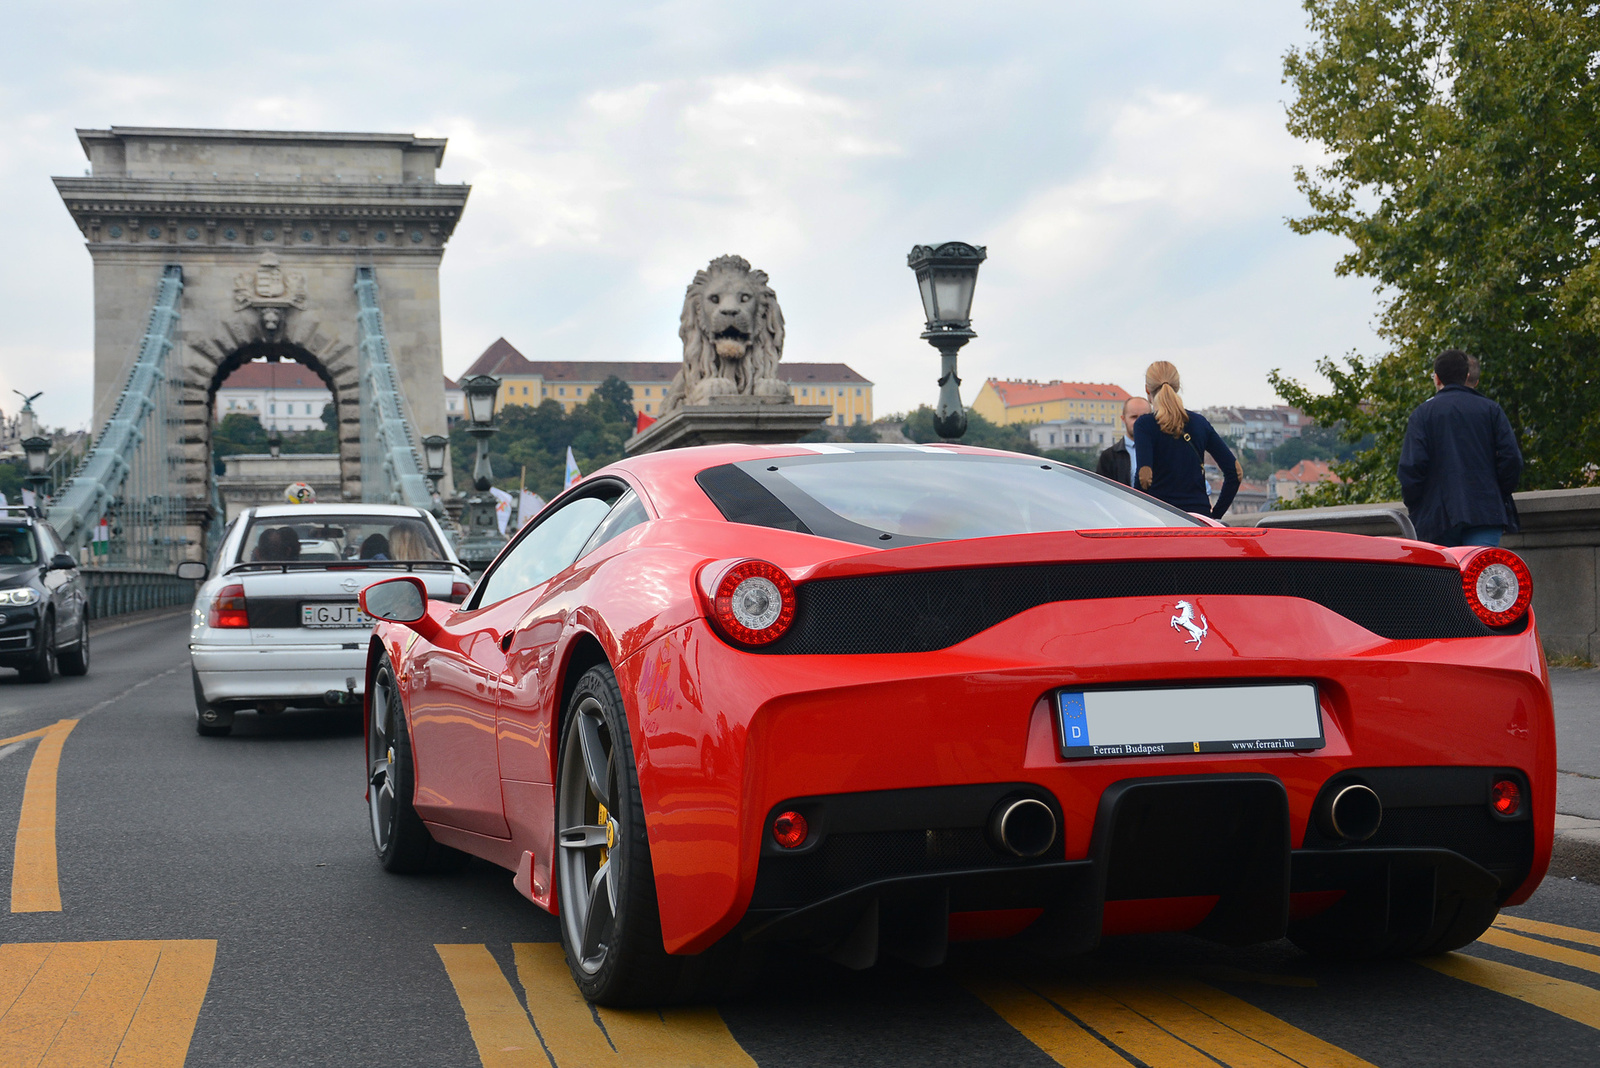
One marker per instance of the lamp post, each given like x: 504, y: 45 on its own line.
x: 37, y: 450
x: 275, y: 443
x: 435, y: 448
x: 483, y: 539
x: 946, y: 276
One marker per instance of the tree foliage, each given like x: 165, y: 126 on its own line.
x: 1462, y: 149
x: 239, y: 432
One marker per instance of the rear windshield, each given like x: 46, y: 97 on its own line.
x: 338, y: 537
x: 16, y: 546
x: 912, y: 497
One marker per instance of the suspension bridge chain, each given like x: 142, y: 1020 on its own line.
x: 391, y: 464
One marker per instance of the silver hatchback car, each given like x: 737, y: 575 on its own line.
x: 278, y: 625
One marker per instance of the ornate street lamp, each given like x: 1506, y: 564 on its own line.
x: 947, y: 274
x: 37, y: 450
x: 435, y: 447
x: 483, y: 393
x: 483, y: 538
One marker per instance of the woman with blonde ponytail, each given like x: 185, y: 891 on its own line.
x: 1171, y: 443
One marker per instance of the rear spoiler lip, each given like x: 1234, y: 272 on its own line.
x: 286, y: 566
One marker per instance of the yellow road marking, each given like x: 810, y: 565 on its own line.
x: 1572, y: 958
x: 1299, y: 1046
x: 1045, y: 1025
x: 93, y: 1004
x: 1166, y: 1023
x: 500, y: 1028
x: 1549, y: 930
x: 1572, y: 1000
x: 576, y: 1034
x: 35, y: 886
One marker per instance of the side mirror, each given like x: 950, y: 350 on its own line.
x: 62, y: 562
x: 400, y: 600
x: 195, y: 570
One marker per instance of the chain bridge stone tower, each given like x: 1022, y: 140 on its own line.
x: 270, y: 230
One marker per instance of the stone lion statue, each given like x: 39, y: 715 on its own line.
x: 732, y: 332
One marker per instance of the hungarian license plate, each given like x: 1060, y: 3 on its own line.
x: 333, y: 615
x: 1189, y: 719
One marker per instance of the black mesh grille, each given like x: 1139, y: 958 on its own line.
x: 849, y: 860
x: 908, y: 612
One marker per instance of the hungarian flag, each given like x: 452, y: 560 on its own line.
x: 101, y: 542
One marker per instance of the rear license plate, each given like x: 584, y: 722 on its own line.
x: 348, y: 616
x: 1193, y: 719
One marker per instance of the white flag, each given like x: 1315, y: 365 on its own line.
x: 502, y: 507
x: 27, y: 498
x: 528, y: 507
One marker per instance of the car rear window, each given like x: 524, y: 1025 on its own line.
x: 333, y: 538
x: 901, y: 497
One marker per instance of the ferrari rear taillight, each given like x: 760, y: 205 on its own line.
x: 1505, y: 797
x: 754, y: 602
x: 228, y: 608
x: 1498, y: 585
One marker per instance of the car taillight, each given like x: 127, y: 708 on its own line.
x: 754, y: 602
x: 1505, y: 797
x: 459, y: 591
x: 227, y: 608
x: 790, y: 829
x: 1498, y: 585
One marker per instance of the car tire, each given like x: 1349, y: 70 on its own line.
x: 209, y: 722
x: 43, y: 666
x: 610, y: 922
x: 75, y: 661
x: 402, y: 840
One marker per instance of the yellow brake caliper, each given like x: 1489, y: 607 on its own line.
x: 611, y: 833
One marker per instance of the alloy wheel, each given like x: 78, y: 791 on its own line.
x: 380, y: 760
x: 589, y: 836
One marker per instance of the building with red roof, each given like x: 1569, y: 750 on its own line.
x: 1004, y: 401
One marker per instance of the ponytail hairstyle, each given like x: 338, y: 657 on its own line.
x: 1161, y: 384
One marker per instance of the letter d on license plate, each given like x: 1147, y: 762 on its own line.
x: 348, y: 616
x: 1189, y: 719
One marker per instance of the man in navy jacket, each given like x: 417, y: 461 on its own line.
x: 1460, y: 461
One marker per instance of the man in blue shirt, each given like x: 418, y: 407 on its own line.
x: 1460, y: 462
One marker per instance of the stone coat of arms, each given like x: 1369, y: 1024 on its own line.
x: 271, y: 291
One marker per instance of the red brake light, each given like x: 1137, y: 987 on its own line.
x: 1505, y: 797
x: 789, y: 830
x: 1498, y: 586
x: 228, y: 608
x: 754, y: 602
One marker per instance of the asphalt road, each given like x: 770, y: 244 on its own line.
x: 219, y: 904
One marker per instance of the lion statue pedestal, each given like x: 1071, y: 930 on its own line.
x: 729, y: 389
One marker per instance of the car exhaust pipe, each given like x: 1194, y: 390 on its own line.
x: 1352, y: 813
x: 1022, y: 826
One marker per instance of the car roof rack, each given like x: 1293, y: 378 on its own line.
x: 28, y: 511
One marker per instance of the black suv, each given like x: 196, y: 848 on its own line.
x: 44, y: 611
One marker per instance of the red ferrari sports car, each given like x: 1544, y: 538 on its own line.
x: 872, y: 699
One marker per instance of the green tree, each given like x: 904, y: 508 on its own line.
x: 618, y: 395
x: 918, y: 427
x: 238, y: 433
x: 330, y: 417
x: 1462, y: 145
x: 536, y: 438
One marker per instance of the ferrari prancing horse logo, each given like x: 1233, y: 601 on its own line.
x: 1192, y: 620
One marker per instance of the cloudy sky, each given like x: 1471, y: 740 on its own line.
x: 1126, y: 165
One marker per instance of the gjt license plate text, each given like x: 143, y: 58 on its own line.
x: 333, y: 615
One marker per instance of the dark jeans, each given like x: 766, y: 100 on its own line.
x: 1465, y: 535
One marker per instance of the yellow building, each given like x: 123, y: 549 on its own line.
x: 572, y: 382
x: 1004, y: 402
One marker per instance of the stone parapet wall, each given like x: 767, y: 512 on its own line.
x: 1559, y: 541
